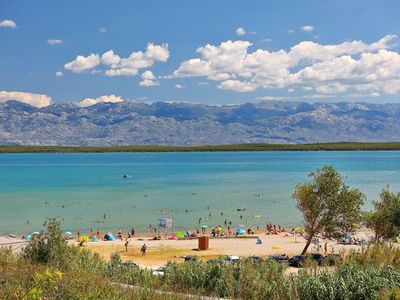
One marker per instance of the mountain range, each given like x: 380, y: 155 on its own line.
x: 177, y: 123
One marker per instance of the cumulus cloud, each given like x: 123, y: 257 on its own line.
x: 179, y: 86
x: 36, y: 100
x: 103, y: 99
x: 307, y: 28
x: 103, y: 30
x: 236, y: 85
x: 83, y: 63
x: 8, y: 24
x: 148, y: 79
x: 54, y: 42
x: 323, y: 69
x: 109, y: 58
x: 117, y: 66
x: 59, y: 74
x: 240, y: 31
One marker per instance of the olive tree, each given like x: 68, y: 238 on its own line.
x: 328, y: 205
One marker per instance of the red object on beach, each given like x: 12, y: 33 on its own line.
x: 203, y: 243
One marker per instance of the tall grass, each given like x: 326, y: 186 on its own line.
x: 49, y: 268
x: 379, y: 255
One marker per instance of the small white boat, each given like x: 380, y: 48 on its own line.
x: 126, y: 176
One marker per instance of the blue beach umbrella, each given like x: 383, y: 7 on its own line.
x: 28, y: 237
x: 35, y: 232
x: 68, y: 233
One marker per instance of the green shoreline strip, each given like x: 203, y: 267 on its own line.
x: 206, y: 148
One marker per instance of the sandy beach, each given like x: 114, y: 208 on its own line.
x: 159, y: 252
x: 15, y: 244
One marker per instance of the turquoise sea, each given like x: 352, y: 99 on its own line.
x: 80, y: 189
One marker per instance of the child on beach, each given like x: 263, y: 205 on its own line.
x: 126, y: 245
x: 143, y: 249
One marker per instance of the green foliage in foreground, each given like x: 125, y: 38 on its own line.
x: 350, y: 146
x: 50, y: 269
x: 84, y: 279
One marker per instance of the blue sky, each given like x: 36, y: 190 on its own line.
x: 250, y: 64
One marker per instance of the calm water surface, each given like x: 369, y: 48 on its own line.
x: 81, y: 188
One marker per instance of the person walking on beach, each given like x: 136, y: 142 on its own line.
x: 126, y: 245
x: 143, y: 249
x: 326, y: 248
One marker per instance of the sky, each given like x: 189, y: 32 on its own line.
x: 211, y: 52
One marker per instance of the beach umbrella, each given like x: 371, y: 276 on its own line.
x: 95, y: 239
x: 68, y: 233
x: 28, y: 237
x: 204, y: 226
x: 35, y: 232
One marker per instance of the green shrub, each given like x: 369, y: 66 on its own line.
x: 49, y: 246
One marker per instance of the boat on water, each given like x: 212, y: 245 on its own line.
x: 126, y: 176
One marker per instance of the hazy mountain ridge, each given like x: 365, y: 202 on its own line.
x: 135, y: 123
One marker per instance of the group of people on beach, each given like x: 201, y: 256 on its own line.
x: 273, y: 229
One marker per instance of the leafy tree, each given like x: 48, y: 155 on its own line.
x: 385, y: 219
x: 328, y: 205
x: 49, y: 246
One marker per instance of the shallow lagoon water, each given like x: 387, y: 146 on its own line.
x: 80, y: 188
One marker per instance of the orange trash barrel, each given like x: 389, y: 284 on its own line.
x: 203, y: 242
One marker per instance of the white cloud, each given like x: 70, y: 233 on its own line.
x: 203, y: 83
x: 36, y: 100
x: 103, y: 30
x: 109, y: 58
x: 8, y: 24
x: 148, y: 79
x: 117, y: 66
x: 148, y: 83
x: 83, y: 63
x: 307, y: 28
x: 157, y: 52
x: 237, y: 85
x: 103, y: 99
x: 217, y: 62
x: 240, y: 31
x: 54, y: 42
x: 324, y: 69
x: 179, y: 86
x: 148, y: 75
x: 59, y: 74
